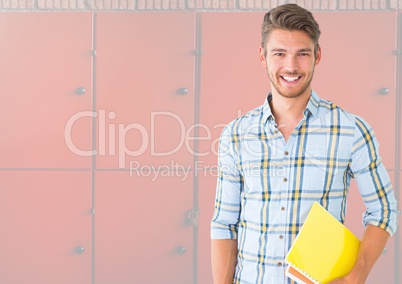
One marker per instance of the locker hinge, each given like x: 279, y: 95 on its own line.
x: 198, y: 52
x: 192, y: 217
x: 93, y: 52
x: 398, y: 52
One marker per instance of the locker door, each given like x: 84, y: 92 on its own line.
x: 357, y: 70
x: 45, y: 218
x: 141, y: 230
x: 232, y: 83
x: 45, y: 74
x: 145, y: 89
x: 232, y: 79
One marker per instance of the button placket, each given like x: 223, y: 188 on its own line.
x: 286, y: 163
x: 286, y: 184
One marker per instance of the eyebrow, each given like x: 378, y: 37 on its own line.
x: 284, y: 50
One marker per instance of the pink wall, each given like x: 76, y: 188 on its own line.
x: 102, y: 180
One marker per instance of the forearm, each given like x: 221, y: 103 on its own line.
x: 371, y: 247
x: 224, y: 259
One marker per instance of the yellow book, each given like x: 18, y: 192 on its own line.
x: 323, y: 250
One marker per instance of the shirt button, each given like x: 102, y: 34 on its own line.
x: 285, y: 179
x: 283, y: 208
x: 281, y: 237
x: 286, y: 153
x: 279, y: 263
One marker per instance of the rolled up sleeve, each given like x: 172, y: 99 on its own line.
x: 373, y: 180
x: 225, y: 219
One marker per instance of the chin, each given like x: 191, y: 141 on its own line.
x: 291, y: 94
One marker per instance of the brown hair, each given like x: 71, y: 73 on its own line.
x: 290, y: 17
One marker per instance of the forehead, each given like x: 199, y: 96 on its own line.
x: 289, y: 39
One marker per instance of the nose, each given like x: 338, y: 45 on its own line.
x: 291, y: 64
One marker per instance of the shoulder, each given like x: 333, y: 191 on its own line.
x: 348, y: 122
x: 249, y: 120
x: 336, y: 114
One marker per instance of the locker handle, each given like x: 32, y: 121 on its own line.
x: 79, y: 250
x: 383, y: 91
x: 182, y: 91
x: 181, y: 250
x: 80, y: 91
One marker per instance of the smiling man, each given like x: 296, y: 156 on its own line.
x: 297, y: 148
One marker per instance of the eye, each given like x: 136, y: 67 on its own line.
x: 304, y: 54
x: 279, y: 54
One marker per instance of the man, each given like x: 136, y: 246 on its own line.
x: 297, y: 148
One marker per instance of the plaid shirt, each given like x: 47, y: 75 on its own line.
x: 266, y: 186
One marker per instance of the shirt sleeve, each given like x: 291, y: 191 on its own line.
x: 225, y: 219
x: 372, y: 179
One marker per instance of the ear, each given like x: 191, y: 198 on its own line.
x: 318, y: 55
x: 262, y: 57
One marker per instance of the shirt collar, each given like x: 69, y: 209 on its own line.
x: 311, y: 108
x: 313, y: 103
x: 266, y: 109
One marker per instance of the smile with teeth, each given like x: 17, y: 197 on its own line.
x: 290, y: 78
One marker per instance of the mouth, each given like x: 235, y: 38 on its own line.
x: 291, y: 79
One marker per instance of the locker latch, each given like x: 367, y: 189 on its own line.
x: 192, y: 217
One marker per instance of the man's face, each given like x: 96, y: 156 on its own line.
x: 290, y: 62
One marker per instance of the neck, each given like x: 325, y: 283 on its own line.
x: 288, y: 109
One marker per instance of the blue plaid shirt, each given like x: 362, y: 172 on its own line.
x: 266, y: 186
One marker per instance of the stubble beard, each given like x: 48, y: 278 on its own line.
x: 291, y: 93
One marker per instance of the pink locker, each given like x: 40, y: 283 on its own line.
x: 142, y: 234
x: 357, y: 70
x: 144, y: 175
x: 144, y: 88
x: 46, y: 219
x: 46, y: 90
x: 232, y: 83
